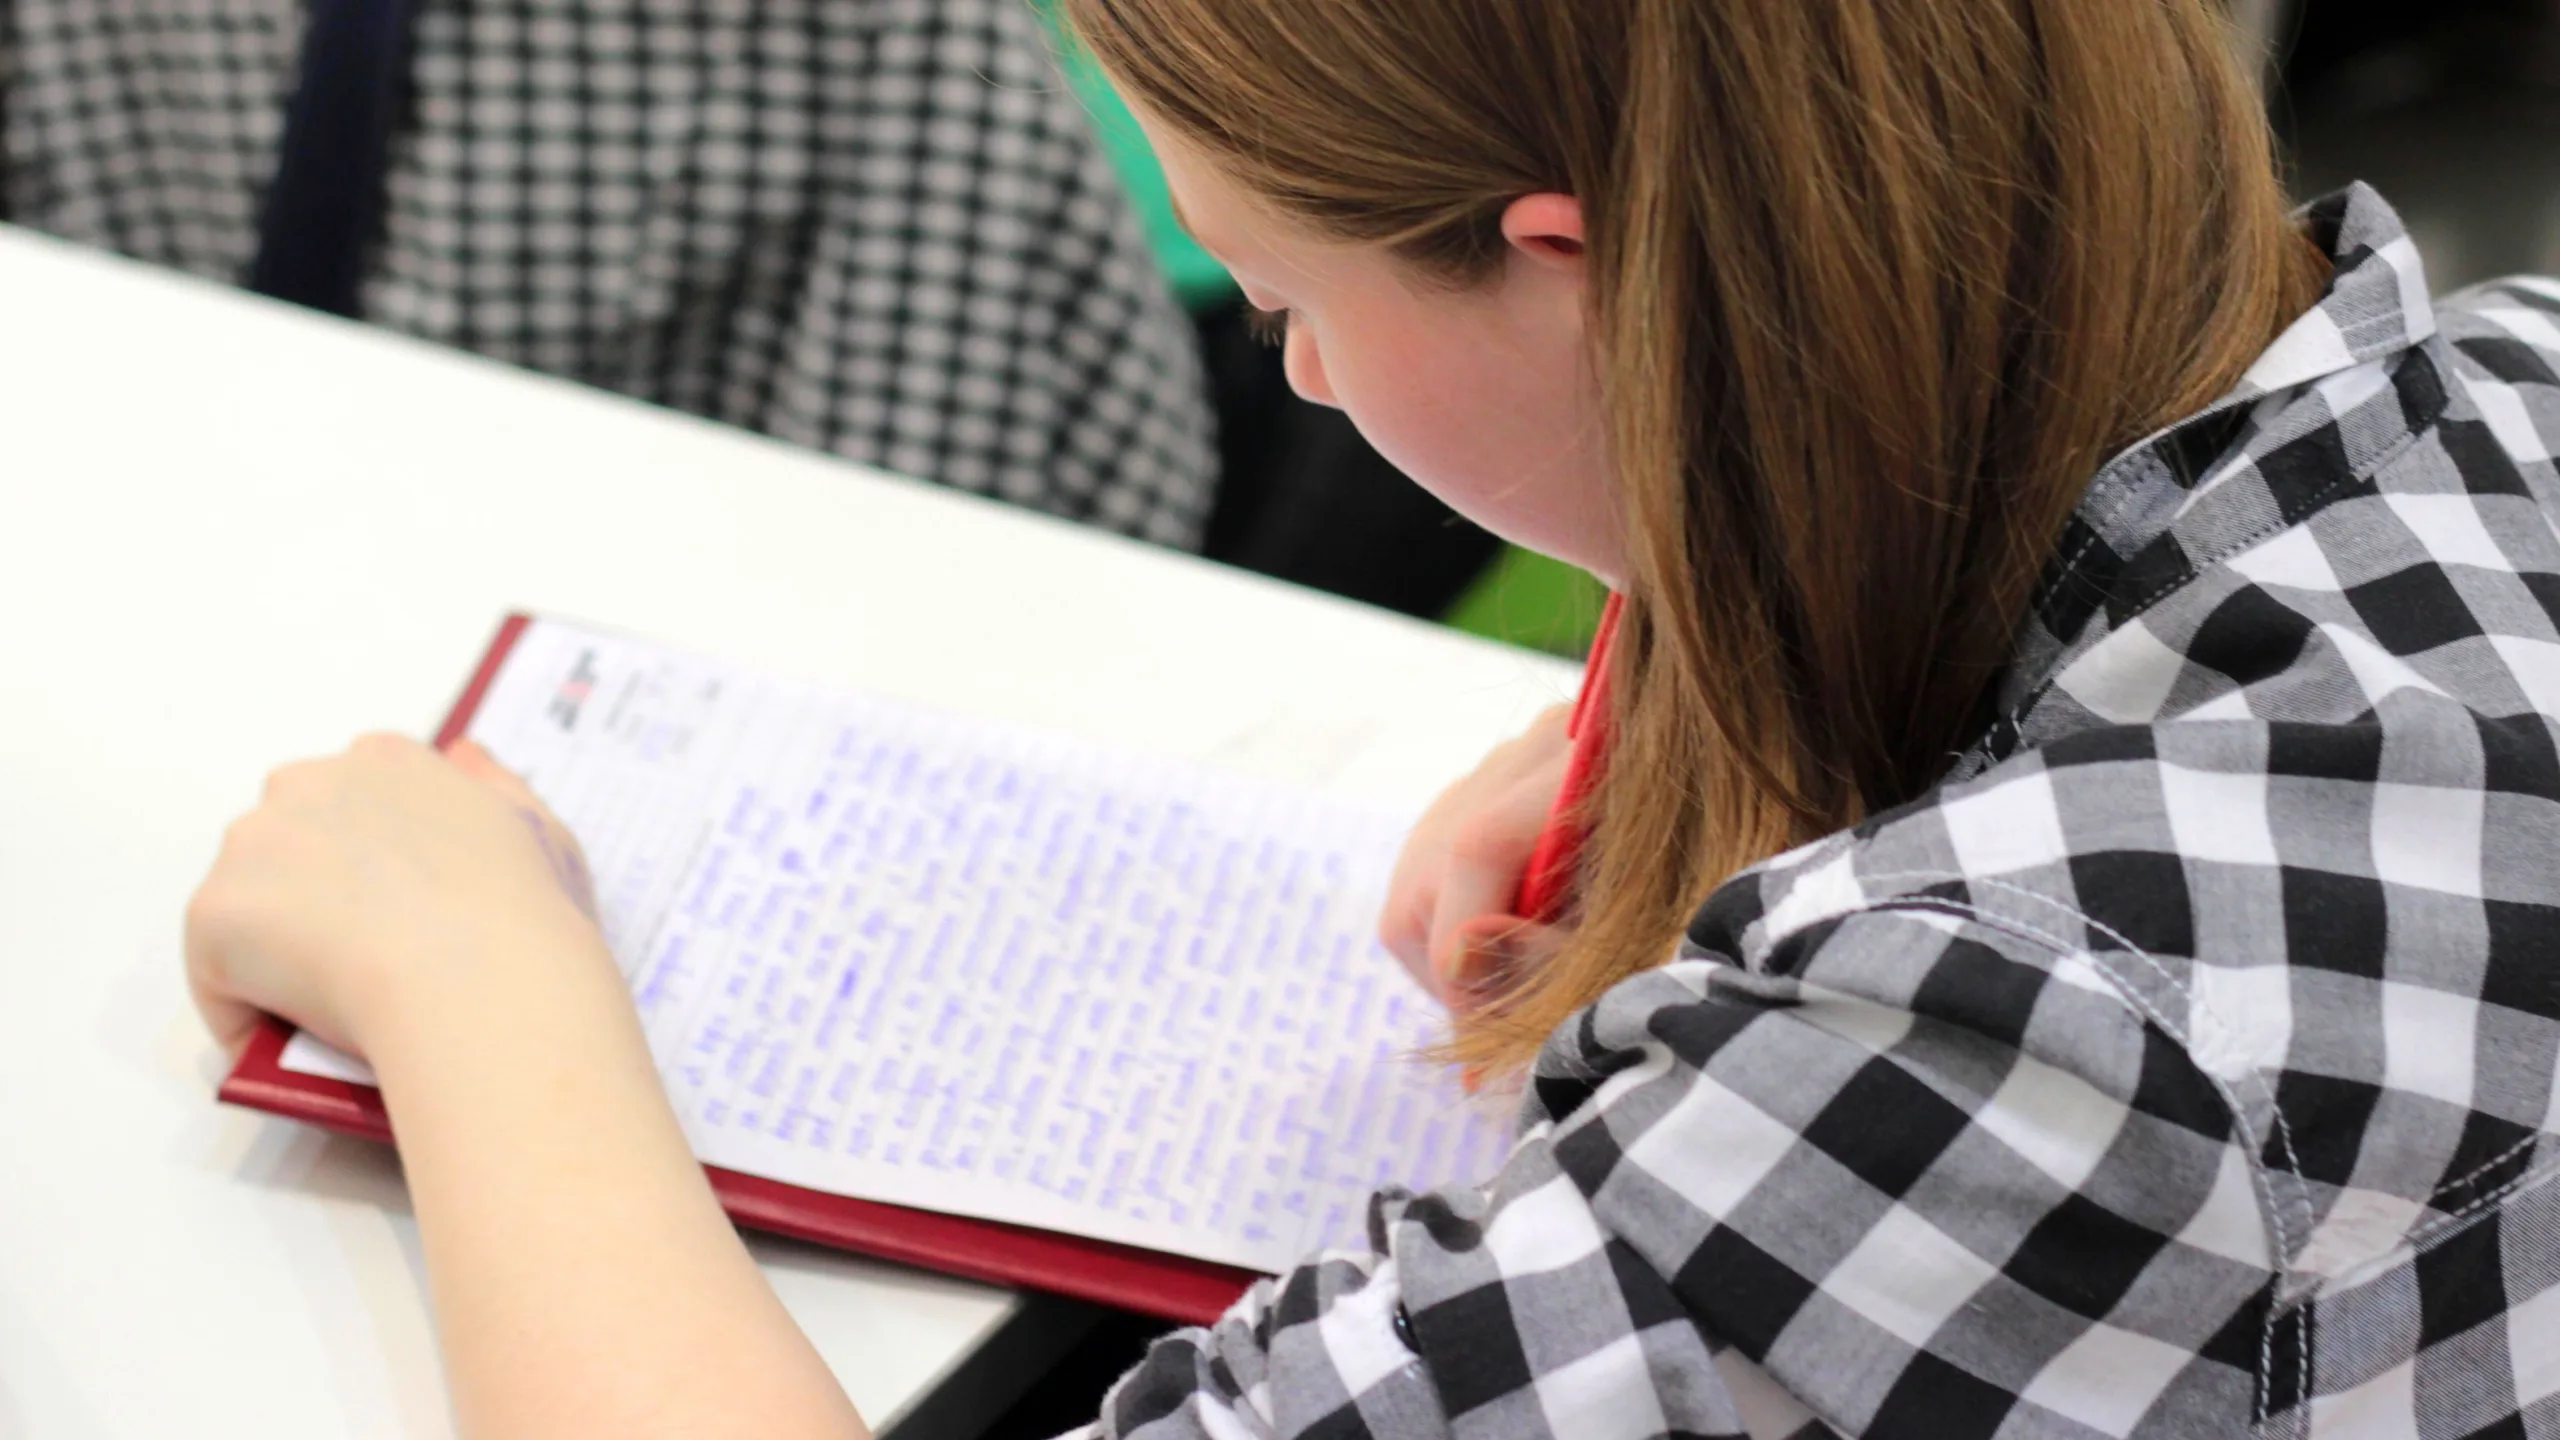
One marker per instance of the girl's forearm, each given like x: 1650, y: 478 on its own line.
x: 585, y: 1281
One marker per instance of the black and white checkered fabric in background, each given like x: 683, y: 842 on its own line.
x: 2183, y: 1067
x: 877, y: 227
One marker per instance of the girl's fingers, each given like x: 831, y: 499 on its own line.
x: 1413, y: 890
x: 1406, y: 931
x: 473, y: 760
x: 559, y: 847
x: 230, y: 1022
x: 1474, y: 889
x: 1486, y: 823
x: 230, y: 1019
x: 1404, y: 923
x: 1487, y: 856
x: 1493, y: 951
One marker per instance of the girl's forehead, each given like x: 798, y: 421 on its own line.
x: 1204, y: 200
x: 1237, y: 227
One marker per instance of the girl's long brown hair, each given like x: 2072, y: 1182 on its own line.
x: 1876, y: 287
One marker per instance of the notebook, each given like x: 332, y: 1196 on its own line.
x: 1010, y: 1004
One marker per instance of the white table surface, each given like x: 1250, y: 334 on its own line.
x: 232, y: 534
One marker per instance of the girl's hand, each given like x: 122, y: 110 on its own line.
x: 1449, y: 906
x: 428, y: 913
x: 368, y: 882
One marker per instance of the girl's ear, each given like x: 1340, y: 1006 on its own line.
x: 1547, y: 228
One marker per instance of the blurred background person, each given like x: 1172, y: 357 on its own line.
x: 880, y: 229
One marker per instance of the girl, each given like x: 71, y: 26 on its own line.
x: 2108, y: 625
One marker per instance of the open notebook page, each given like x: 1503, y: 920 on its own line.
x: 907, y: 956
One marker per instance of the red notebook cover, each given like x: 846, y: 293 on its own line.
x: 1174, y: 1287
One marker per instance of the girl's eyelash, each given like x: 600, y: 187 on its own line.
x: 1271, y: 327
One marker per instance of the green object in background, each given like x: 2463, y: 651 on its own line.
x: 1198, y: 280
x: 1525, y: 598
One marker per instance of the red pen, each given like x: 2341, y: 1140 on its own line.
x: 1546, y: 886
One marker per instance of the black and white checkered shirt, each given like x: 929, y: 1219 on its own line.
x: 2184, y: 1067
x: 878, y: 227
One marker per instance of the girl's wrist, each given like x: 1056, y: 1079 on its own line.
x: 420, y: 1015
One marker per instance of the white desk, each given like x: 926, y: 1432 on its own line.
x: 231, y: 534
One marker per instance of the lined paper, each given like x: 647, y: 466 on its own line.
x: 913, y: 957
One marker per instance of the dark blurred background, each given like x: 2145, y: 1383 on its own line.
x: 2451, y: 108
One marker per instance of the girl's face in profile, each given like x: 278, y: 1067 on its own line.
x: 1486, y: 397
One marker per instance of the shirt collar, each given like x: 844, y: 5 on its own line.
x: 2376, y: 307
x: 2377, y: 302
